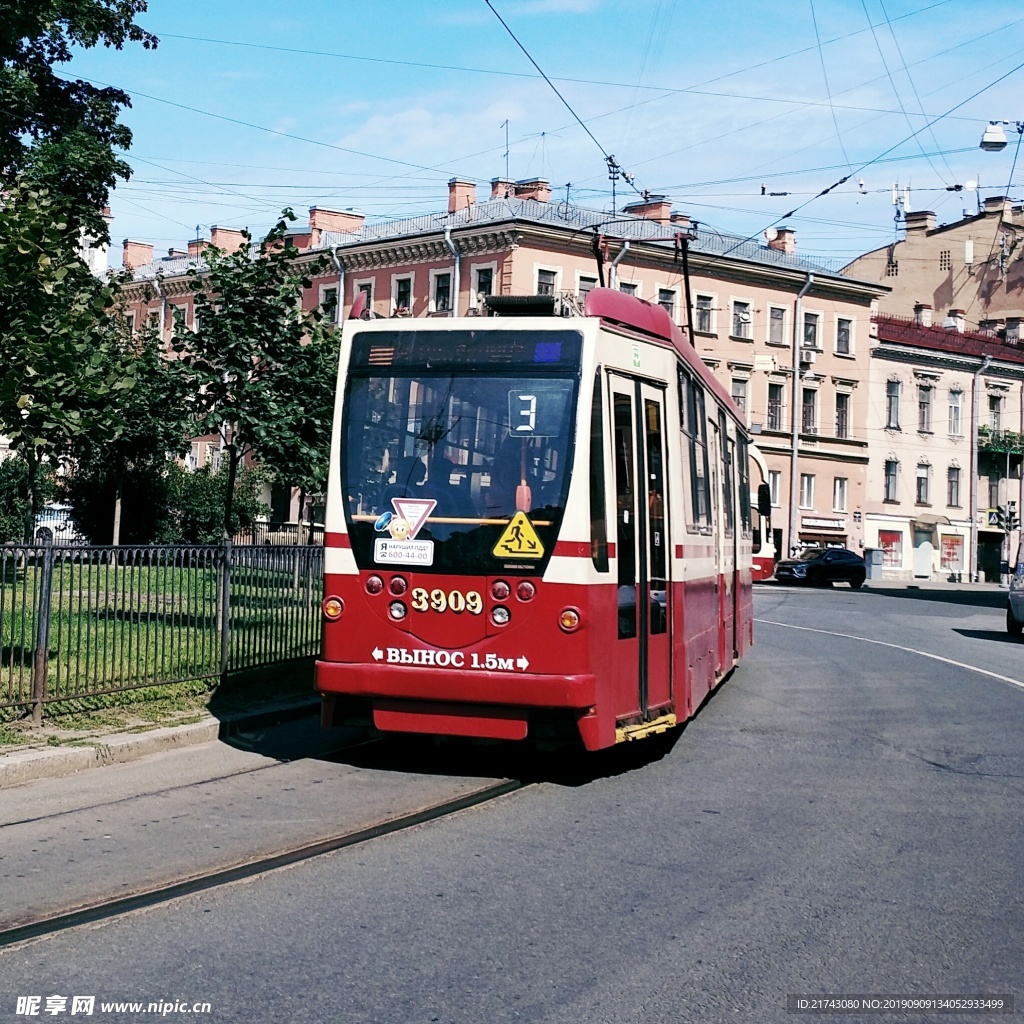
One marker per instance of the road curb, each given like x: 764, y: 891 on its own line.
x: 22, y: 766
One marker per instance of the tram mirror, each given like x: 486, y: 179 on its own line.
x: 764, y: 501
x: 537, y: 409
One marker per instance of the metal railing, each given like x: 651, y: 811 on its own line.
x: 80, y: 621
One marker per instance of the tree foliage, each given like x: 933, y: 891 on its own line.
x: 63, y: 133
x: 197, y: 500
x: 260, y: 368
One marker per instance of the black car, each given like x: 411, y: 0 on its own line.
x: 821, y: 566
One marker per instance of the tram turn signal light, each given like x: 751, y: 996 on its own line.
x: 500, y: 590
x: 397, y: 610
x: 569, y: 620
x: 398, y: 585
x: 500, y: 615
x: 374, y: 585
x: 332, y: 608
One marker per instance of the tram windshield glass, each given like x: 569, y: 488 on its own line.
x: 457, y: 448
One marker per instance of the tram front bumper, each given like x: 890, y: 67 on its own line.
x: 511, y: 689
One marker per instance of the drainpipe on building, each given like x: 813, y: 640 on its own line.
x: 795, y: 435
x: 455, y: 269
x: 340, y: 305
x: 613, y: 277
x: 985, y: 363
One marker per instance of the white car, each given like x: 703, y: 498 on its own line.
x: 1015, y: 600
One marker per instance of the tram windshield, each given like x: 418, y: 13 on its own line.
x: 458, y: 447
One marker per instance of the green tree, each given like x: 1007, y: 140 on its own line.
x: 63, y: 133
x: 260, y: 368
x: 197, y: 500
x: 63, y: 362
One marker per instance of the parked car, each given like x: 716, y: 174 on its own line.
x: 822, y: 566
x: 1015, y: 599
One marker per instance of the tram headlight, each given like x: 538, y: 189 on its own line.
x: 332, y: 608
x: 397, y: 610
x: 569, y: 620
x: 500, y: 590
x: 374, y: 585
x: 398, y: 585
x: 500, y: 615
x: 525, y: 591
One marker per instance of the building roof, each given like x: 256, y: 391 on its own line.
x: 977, y: 344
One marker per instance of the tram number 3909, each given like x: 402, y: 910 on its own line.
x: 454, y: 601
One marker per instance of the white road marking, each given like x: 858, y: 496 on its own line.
x: 899, y: 647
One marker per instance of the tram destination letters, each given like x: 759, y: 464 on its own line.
x: 834, y: 1004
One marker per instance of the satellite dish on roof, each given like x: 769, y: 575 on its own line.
x: 770, y: 234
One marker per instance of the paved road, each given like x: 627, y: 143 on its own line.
x: 841, y: 817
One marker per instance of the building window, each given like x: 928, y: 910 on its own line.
x: 807, y: 490
x: 839, y: 494
x: 892, y: 268
x: 329, y: 304
x: 924, y: 409
x: 667, y: 301
x: 776, y: 326
x: 366, y: 287
x: 179, y: 318
x: 955, y: 405
x: 891, y: 543
x: 628, y: 288
x: 402, y: 297
x: 953, y: 487
x: 993, y: 489
x: 812, y: 323
x: 586, y: 283
x: 945, y: 259
x: 739, y: 392
x: 842, y: 414
x: 705, y: 320
x: 775, y: 486
x: 484, y: 282
x: 995, y: 413
x: 741, y: 320
x: 442, y: 293
x: 892, y: 405
x: 775, y: 396
x: 546, y: 282
x: 844, y: 336
x: 891, y: 470
x: 923, y: 474
x: 809, y: 411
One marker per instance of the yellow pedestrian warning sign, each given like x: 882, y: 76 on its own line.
x: 519, y: 540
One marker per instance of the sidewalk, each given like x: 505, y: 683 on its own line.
x: 67, y: 743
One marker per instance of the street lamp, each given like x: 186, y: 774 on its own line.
x: 994, y: 138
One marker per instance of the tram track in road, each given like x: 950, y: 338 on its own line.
x: 106, y: 909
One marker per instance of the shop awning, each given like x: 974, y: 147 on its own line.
x: 931, y: 519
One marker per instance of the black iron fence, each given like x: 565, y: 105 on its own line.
x: 79, y: 621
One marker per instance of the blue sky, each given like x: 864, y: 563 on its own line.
x: 249, y: 105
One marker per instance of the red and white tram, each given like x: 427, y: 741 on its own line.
x: 536, y: 527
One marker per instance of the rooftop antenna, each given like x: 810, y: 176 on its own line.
x: 505, y: 126
x: 901, y: 200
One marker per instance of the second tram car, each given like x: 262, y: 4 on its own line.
x: 537, y: 526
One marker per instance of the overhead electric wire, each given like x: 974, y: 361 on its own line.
x: 828, y: 89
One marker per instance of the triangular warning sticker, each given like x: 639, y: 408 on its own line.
x: 414, y: 511
x: 519, y: 540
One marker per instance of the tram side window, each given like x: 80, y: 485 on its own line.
x: 728, y: 457
x: 598, y: 511
x: 691, y: 405
x: 744, y: 475
x: 625, y: 503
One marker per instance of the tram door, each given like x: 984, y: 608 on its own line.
x: 642, y: 545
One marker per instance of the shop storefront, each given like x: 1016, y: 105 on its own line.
x: 822, y: 532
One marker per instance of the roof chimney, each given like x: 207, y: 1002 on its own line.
x: 922, y: 314
x: 920, y: 221
x: 955, y: 321
x: 322, y: 219
x: 536, y: 189
x: 228, y: 239
x: 999, y: 204
x: 502, y: 188
x: 461, y: 193
x: 657, y: 208
x: 784, y: 241
x: 196, y: 247
x: 136, y: 254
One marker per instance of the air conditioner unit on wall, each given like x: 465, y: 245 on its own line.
x: 808, y: 355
